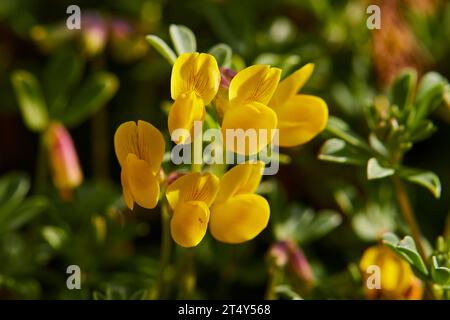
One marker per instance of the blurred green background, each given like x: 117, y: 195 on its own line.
x: 332, y: 212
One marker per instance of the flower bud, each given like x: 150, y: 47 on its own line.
x: 64, y: 164
x: 94, y: 33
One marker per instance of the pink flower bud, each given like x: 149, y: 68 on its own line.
x: 64, y: 164
x: 299, y: 264
x: 279, y: 252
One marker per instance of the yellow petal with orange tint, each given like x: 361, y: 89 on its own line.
x: 189, y: 223
x: 144, y: 186
x: 196, y: 72
x: 249, y: 128
x: 291, y: 85
x: 126, y: 141
x: 301, y: 119
x: 187, y: 108
x: 193, y: 187
x: 241, y: 179
x: 254, y: 84
x: 151, y: 145
x: 127, y: 196
x: 239, y: 219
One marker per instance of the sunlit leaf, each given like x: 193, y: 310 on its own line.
x: 337, y: 150
x: 376, y: 171
x: 183, y: 39
x: 31, y: 100
x: 162, y: 47
x: 223, y: 54
x: 426, y: 179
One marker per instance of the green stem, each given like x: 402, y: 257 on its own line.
x: 410, y: 219
x: 189, y: 279
x: 275, y: 275
x: 166, y: 248
x: 408, y: 215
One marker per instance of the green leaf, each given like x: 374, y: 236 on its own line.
x: 337, y: 150
x: 13, y: 189
x: 423, y: 178
x: 55, y: 236
x: 440, y: 274
x: 429, y: 96
x: 162, y: 47
x: 391, y: 240
x: 343, y: 131
x: 376, y: 171
x: 62, y: 73
x: 31, y: 101
x: 223, y: 54
x: 422, y: 130
x: 21, y: 215
x: 306, y: 225
x: 378, y: 145
x: 13, y: 186
x: 402, y: 90
x: 183, y: 39
x: 93, y: 95
x: 406, y: 248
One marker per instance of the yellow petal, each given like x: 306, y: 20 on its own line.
x: 151, y: 145
x: 256, y: 123
x: 193, y: 187
x: 126, y: 141
x: 187, y: 108
x: 301, y: 119
x: 239, y: 219
x: 143, y: 184
x: 189, y: 223
x: 126, y: 188
x: 254, y: 84
x: 291, y: 85
x: 241, y: 179
x: 196, y: 72
x: 396, y: 274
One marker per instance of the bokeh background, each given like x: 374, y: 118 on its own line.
x: 332, y: 212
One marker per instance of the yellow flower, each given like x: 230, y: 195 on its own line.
x: 139, y: 150
x: 249, y: 93
x: 300, y: 117
x: 194, y: 83
x: 238, y: 214
x: 190, y: 197
x: 64, y: 164
x: 397, y: 280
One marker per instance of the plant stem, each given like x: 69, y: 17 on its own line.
x: 274, y: 280
x: 408, y: 215
x: 188, y: 278
x: 166, y: 248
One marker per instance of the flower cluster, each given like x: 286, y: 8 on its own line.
x: 253, y: 98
